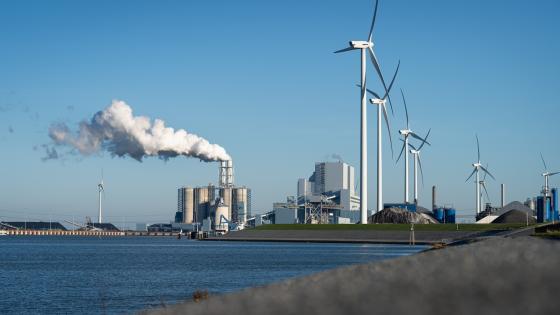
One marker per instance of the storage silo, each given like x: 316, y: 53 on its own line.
x: 540, y: 209
x: 201, y: 203
x: 449, y: 214
x: 439, y: 214
x: 221, y: 217
x: 554, y: 209
x: 225, y: 195
x: 188, y: 205
x: 240, y: 204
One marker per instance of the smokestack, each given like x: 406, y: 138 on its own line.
x: 226, y: 174
x: 433, y: 197
x: 503, y: 195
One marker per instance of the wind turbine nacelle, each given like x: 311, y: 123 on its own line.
x: 404, y: 132
x: 360, y: 44
x: 377, y: 101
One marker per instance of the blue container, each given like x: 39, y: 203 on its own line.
x: 548, y: 216
x: 438, y: 214
x: 555, y: 204
x: 540, y: 209
x: 449, y: 215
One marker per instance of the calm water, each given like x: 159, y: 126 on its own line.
x: 54, y: 275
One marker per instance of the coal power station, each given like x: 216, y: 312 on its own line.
x: 220, y: 208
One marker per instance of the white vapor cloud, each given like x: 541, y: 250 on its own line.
x: 117, y: 131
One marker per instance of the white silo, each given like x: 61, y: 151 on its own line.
x: 225, y: 195
x: 240, y: 205
x: 201, y: 203
x: 188, y: 207
x: 221, y: 217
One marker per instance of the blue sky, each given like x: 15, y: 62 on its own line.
x: 260, y: 79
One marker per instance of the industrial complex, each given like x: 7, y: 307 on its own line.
x: 219, y: 208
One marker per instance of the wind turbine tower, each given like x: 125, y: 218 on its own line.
x: 365, y: 47
x: 546, y: 175
x: 407, y: 132
x: 100, y: 190
x: 477, y: 167
x: 418, y: 164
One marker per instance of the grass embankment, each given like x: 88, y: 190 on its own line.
x: 551, y: 234
x: 392, y: 227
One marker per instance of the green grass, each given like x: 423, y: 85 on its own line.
x: 550, y: 234
x: 391, y: 227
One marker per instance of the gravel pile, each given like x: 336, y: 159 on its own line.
x: 399, y: 215
x: 515, y: 216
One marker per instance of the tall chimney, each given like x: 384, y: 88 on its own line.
x: 433, y: 197
x: 503, y: 195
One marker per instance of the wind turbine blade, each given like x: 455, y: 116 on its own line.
x: 486, y: 191
x: 405, y: 107
x: 373, y: 22
x: 420, y: 167
x: 553, y: 173
x: 344, y: 50
x: 402, y: 150
x: 425, y: 140
x: 370, y: 92
x: 478, y: 148
x: 474, y: 171
x: 392, y: 80
x: 485, y: 170
x: 388, y: 129
x: 378, y: 70
x: 419, y: 138
x: 544, y: 163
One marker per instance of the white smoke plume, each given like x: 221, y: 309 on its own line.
x: 117, y: 131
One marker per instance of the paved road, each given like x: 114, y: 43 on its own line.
x: 495, y: 276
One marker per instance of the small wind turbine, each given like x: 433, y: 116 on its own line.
x: 365, y: 46
x: 101, y: 190
x: 407, y: 132
x: 546, y: 175
x: 477, y: 167
x: 483, y: 185
x: 417, y: 163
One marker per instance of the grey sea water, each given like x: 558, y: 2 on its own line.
x: 63, y: 275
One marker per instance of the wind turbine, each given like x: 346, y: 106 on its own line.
x: 417, y: 163
x: 365, y: 46
x: 382, y: 109
x: 101, y: 190
x: 546, y: 175
x: 477, y: 167
x: 483, y: 185
x: 407, y: 132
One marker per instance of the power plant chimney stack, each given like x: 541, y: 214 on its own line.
x: 503, y: 195
x: 433, y: 197
x: 226, y: 174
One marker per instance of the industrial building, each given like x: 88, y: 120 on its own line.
x: 327, y: 196
x: 225, y: 206
x: 331, y: 179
